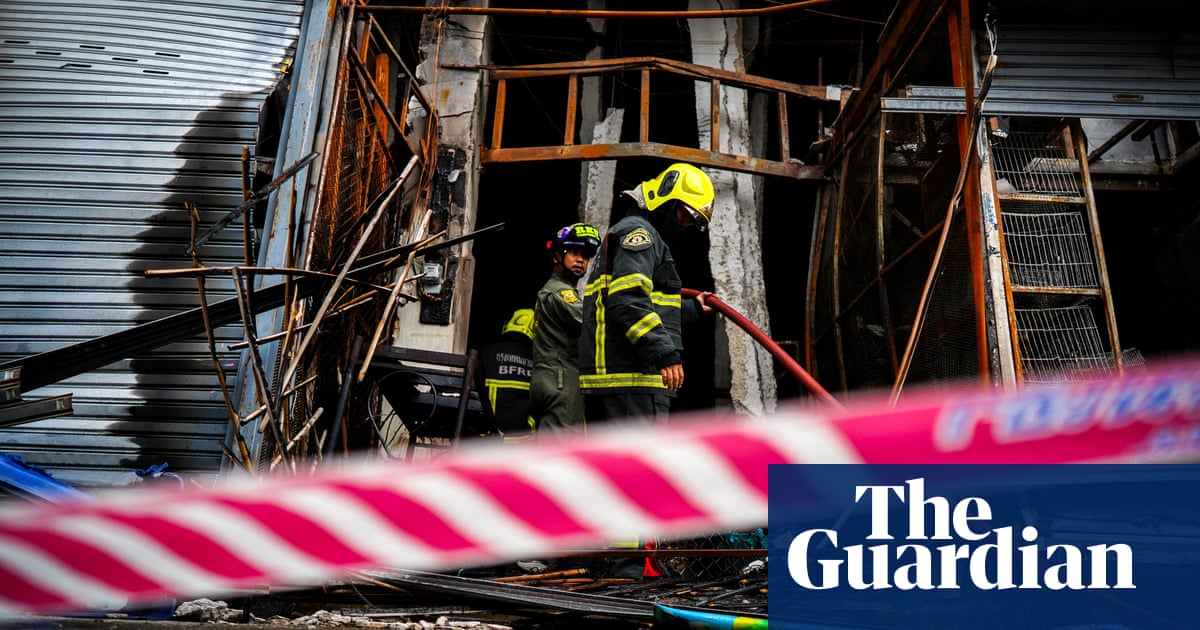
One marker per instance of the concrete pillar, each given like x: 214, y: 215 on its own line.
x: 597, y: 176
x: 440, y: 321
x: 735, y: 238
x: 589, y: 92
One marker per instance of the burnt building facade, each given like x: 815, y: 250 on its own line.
x: 1011, y: 199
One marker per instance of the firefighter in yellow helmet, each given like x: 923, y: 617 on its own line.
x: 507, y: 366
x: 687, y: 188
x: 630, y: 350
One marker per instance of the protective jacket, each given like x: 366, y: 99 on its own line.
x: 507, y: 368
x: 554, y: 391
x: 631, y: 313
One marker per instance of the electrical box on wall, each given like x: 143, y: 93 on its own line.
x: 437, y: 285
x: 437, y: 289
x: 431, y: 280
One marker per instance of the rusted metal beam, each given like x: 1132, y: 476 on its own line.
x: 383, y: 86
x: 958, y: 22
x: 386, y: 317
x: 644, y: 121
x: 717, y: 80
x: 1129, y: 128
x: 698, y: 72
x: 1182, y: 160
x: 364, y: 77
x: 406, y: 73
x: 253, y: 199
x: 743, y: 164
x: 785, y: 142
x: 498, y: 118
x: 953, y: 208
x: 815, y: 270
x: 406, y: 87
x: 715, y: 115
x: 572, y: 98
x: 24, y: 411
x: 1075, y: 135
x: 271, y: 419
x: 516, y: 593
x: 1044, y: 198
x: 442, y: 10
x: 896, y: 42
x: 1016, y: 288
x: 210, y: 335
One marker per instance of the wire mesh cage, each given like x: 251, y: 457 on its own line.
x: 363, y: 154
x: 1037, y: 163
x: 356, y: 174
x: 857, y: 221
x: 1048, y: 245
x: 917, y: 195
x: 1062, y: 343
x: 946, y: 352
x: 708, y: 567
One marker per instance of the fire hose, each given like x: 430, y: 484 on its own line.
x: 765, y: 341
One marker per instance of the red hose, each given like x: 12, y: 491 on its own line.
x: 761, y: 337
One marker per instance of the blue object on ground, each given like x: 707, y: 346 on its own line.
x: 30, y: 481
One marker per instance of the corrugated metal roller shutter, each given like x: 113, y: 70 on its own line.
x: 113, y: 115
x: 1099, y: 71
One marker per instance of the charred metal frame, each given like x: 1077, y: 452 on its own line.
x: 858, y: 112
x: 966, y: 190
x: 785, y: 165
x: 910, y: 32
x: 15, y: 411
x: 377, y: 159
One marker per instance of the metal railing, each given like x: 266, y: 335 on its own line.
x: 782, y: 163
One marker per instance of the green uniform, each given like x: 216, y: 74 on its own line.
x: 555, y: 401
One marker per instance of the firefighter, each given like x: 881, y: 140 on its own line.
x: 630, y: 351
x: 507, y: 368
x: 556, y: 403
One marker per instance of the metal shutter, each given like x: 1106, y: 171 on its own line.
x: 113, y: 115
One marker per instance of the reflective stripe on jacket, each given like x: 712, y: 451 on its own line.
x: 507, y: 368
x: 631, y: 312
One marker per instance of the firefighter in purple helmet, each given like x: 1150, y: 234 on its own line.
x: 555, y: 401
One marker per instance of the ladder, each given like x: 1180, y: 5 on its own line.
x: 1060, y: 307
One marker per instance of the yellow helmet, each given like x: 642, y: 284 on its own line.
x: 521, y: 321
x: 684, y: 183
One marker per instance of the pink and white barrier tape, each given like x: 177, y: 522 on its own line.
x: 702, y: 474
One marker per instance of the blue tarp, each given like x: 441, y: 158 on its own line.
x: 27, y: 480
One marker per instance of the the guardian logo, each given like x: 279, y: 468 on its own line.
x: 947, y: 546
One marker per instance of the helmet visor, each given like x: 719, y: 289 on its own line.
x: 699, y: 219
x: 587, y: 249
